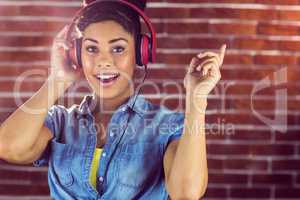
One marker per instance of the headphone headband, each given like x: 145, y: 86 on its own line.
x: 134, y: 7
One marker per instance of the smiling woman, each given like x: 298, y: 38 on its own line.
x: 108, y: 61
x: 140, y: 152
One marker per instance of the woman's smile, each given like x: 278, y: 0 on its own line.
x: 107, y: 79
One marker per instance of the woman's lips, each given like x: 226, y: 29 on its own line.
x: 107, y: 79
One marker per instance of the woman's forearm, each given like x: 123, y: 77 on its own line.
x: 189, y: 169
x: 19, y: 132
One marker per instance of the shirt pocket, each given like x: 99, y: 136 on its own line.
x: 61, y: 163
x: 138, y: 165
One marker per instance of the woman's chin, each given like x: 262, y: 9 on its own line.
x: 106, y: 94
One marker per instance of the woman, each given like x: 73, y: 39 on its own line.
x: 138, y: 153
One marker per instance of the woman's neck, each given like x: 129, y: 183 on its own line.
x: 108, y: 106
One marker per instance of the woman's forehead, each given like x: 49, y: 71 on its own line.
x: 107, y: 30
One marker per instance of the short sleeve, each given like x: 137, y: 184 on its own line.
x: 52, y: 123
x: 174, y: 125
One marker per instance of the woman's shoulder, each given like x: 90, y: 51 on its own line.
x: 161, y: 111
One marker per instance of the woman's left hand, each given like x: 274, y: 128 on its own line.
x: 203, y: 74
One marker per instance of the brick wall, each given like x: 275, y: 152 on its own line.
x: 253, y: 116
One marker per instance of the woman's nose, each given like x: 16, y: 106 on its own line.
x: 105, y: 60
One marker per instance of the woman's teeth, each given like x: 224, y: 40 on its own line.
x: 107, y: 79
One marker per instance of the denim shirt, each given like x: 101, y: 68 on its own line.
x: 131, y: 163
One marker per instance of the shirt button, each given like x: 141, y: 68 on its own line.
x: 103, y: 154
x: 124, y: 109
x: 111, y: 134
x: 101, y: 179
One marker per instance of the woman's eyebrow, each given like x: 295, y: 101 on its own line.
x: 90, y: 39
x: 117, y: 39
x: 111, y: 41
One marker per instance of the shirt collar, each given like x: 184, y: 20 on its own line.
x: 139, y: 106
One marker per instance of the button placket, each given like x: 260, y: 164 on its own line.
x: 111, y: 134
x: 123, y: 109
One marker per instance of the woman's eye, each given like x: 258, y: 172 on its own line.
x: 118, y: 49
x: 92, y: 49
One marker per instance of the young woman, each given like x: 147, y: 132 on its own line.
x: 144, y: 151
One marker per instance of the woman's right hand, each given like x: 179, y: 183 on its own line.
x: 61, y: 69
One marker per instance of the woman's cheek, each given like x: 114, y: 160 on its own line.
x: 87, y: 62
x: 126, y: 63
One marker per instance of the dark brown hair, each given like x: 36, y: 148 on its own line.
x: 123, y: 15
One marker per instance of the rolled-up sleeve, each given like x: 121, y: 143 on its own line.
x: 52, y: 122
x: 173, y: 125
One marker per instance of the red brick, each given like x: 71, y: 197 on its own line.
x: 27, y: 86
x: 233, y: 28
x: 174, y: 58
x: 286, y: 164
x: 290, y: 136
x: 9, y: 10
x: 257, y: 44
x: 39, y: 26
x: 227, y: 118
x: 250, y: 192
x: 227, y: 178
x: 250, y: 149
x: 23, y: 190
x: 290, y: 15
x: 271, y: 2
x: 275, y: 60
x: 251, y: 135
x: 216, y: 192
x: 277, y: 179
x: 26, y: 41
x: 289, y: 45
x: 246, y: 164
x: 238, y: 59
x: 290, y: 193
x: 234, y: 13
x: 182, y: 28
x: 193, y: 43
x: 36, y: 177
x: 47, y: 11
x: 298, y: 179
x: 279, y: 2
x: 241, y: 164
x: 277, y: 29
x: 22, y: 56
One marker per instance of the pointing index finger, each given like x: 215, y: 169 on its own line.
x: 222, y: 53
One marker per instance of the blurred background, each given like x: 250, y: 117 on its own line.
x: 253, y: 117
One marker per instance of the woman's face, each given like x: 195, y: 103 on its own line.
x: 108, y: 58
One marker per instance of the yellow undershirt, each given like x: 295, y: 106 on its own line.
x: 95, y: 166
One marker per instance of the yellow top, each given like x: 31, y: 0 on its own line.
x: 95, y: 166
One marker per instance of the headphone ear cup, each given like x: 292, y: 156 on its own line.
x: 78, y: 52
x: 138, y: 50
x: 143, y: 50
x: 74, y: 54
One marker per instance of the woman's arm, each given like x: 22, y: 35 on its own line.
x: 185, y: 160
x: 21, y: 131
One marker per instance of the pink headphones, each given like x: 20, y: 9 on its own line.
x: 146, y: 45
